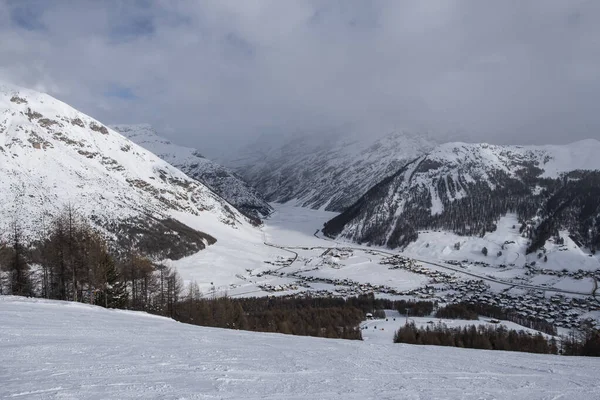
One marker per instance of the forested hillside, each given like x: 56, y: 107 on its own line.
x: 467, y: 188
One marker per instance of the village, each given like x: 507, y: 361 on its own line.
x: 559, y: 310
x: 443, y: 287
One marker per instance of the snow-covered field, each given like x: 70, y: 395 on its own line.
x: 507, y: 240
x: 230, y: 265
x: 382, y: 331
x: 59, y: 350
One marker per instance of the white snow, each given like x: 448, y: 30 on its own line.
x: 552, y: 159
x: 440, y: 246
x: 58, y: 350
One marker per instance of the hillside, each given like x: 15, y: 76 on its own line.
x: 75, y: 351
x: 466, y: 188
x: 220, y: 179
x: 53, y: 156
x: 325, y: 171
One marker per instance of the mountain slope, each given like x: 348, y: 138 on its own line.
x: 466, y: 188
x: 328, y: 172
x: 52, y: 155
x: 221, y: 180
x: 76, y: 351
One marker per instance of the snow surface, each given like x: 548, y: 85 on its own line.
x: 552, y: 159
x: 228, y: 266
x: 59, y: 350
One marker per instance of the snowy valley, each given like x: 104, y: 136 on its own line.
x: 46, y: 141
x: 297, y: 200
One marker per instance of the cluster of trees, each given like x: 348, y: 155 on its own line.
x: 75, y: 262
x: 368, y: 303
x: 485, y: 337
x: 572, y: 204
x: 306, y: 316
x: 490, y: 337
x: 457, y: 311
x: 585, y: 342
x: 472, y: 311
x: 531, y: 322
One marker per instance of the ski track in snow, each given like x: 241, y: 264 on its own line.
x: 60, y: 350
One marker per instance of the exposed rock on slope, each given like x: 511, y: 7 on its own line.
x: 220, y: 179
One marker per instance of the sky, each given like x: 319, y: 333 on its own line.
x: 217, y: 73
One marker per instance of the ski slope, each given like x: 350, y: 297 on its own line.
x: 60, y: 350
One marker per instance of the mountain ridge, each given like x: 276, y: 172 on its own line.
x: 52, y: 155
x: 189, y: 160
x: 326, y: 171
x: 463, y: 188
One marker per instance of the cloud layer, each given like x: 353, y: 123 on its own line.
x: 218, y: 71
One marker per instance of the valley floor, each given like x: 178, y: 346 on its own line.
x: 288, y: 256
x: 60, y: 350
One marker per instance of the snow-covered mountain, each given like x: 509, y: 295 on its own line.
x: 220, y: 179
x: 325, y: 171
x: 466, y: 188
x: 52, y: 155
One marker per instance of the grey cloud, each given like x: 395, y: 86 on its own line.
x: 220, y: 71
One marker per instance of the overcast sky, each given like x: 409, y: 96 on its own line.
x: 205, y: 72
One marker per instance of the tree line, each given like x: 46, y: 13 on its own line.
x: 485, y: 337
x: 490, y: 337
x: 473, y: 310
x: 368, y: 303
x: 304, y: 316
x: 74, y: 261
